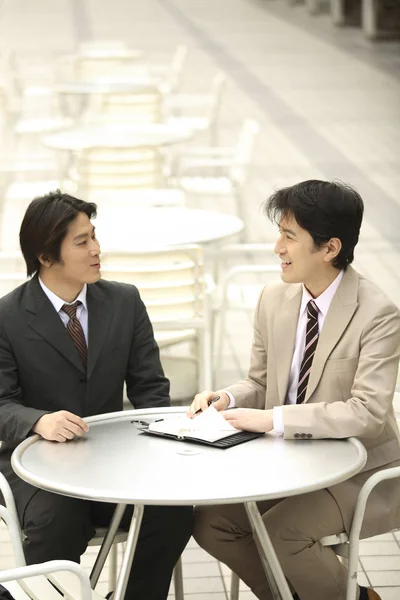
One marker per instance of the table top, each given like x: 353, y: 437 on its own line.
x: 141, y: 228
x: 110, y: 85
x: 106, y: 54
x: 116, y: 462
x: 117, y: 135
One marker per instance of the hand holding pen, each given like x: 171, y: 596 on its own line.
x: 199, y: 410
x: 204, y: 399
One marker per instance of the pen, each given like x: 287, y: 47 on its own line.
x: 209, y: 404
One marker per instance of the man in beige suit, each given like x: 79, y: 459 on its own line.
x: 324, y: 364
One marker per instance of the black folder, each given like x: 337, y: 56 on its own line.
x: 226, y: 442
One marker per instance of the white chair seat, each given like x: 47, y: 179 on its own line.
x: 194, y: 123
x: 170, y: 338
x: 40, y: 125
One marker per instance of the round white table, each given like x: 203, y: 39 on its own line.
x: 168, y: 472
x: 107, y: 85
x: 113, y: 135
x: 124, y: 228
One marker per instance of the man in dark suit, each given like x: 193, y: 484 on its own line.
x: 68, y: 342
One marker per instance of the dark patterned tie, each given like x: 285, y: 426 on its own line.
x: 312, y: 334
x: 75, y: 330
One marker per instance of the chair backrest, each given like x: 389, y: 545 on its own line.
x: 171, y: 281
x: 9, y: 515
x: 216, y: 95
x: 122, y: 168
x: 11, y: 262
x: 171, y: 79
x: 245, y: 142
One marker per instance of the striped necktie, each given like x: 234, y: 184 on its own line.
x: 75, y: 330
x: 312, y: 335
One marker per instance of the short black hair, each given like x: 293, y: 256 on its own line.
x: 45, y: 225
x: 324, y: 209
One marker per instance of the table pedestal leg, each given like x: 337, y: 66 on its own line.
x: 106, y: 545
x: 273, y: 570
x: 127, y: 560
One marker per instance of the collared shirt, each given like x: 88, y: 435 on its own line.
x: 82, y: 310
x: 323, y: 303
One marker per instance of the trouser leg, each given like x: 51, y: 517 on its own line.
x: 295, y: 526
x: 164, y: 533
x: 55, y: 527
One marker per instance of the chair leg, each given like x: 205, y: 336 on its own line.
x: 112, y: 567
x: 235, y: 581
x: 178, y: 580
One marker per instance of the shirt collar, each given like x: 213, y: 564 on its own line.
x: 323, y: 301
x: 57, y: 302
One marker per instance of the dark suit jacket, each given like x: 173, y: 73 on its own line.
x: 41, y: 372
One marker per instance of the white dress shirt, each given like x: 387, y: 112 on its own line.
x: 81, y: 313
x: 323, y: 303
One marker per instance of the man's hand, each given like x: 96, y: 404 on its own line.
x: 250, y: 419
x: 60, y: 426
x: 201, y: 402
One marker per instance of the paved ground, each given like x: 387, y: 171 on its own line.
x: 328, y: 104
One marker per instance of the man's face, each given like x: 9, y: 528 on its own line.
x: 80, y: 254
x: 301, y: 261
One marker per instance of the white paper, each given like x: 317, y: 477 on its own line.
x: 210, y: 426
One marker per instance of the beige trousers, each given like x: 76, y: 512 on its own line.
x: 295, y: 526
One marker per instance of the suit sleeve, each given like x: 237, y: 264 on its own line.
x: 250, y: 392
x: 16, y: 419
x: 146, y: 383
x: 364, y: 413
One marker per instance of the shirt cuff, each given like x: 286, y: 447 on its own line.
x: 231, y: 399
x: 277, y: 418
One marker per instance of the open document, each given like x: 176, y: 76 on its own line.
x: 209, y: 427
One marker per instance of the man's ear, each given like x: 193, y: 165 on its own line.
x: 332, y: 249
x: 44, y: 261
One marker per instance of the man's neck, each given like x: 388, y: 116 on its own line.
x: 66, y: 290
x: 321, y: 282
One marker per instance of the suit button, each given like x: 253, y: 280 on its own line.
x: 82, y: 380
x: 296, y: 435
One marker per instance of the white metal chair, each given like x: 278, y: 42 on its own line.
x: 173, y: 287
x: 97, y: 540
x: 10, y: 516
x: 32, y: 583
x: 170, y: 75
x: 238, y: 283
x: 218, y: 171
x: 117, y: 169
x: 344, y: 545
x: 197, y: 112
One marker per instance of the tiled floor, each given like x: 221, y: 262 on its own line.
x: 328, y: 104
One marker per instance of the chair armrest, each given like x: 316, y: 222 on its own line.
x: 50, y: 567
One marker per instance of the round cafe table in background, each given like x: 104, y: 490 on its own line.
x: 117, y: 135
x: 124, y: 228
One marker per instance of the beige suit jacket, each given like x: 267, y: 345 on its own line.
x: 351, y: 385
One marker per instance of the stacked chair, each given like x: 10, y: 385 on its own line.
x: 173, y: 287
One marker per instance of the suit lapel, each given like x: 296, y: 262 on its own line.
x: 285, y: 327
x: 100, y: 315
x: 341, y: 310
x: 47, y: 323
